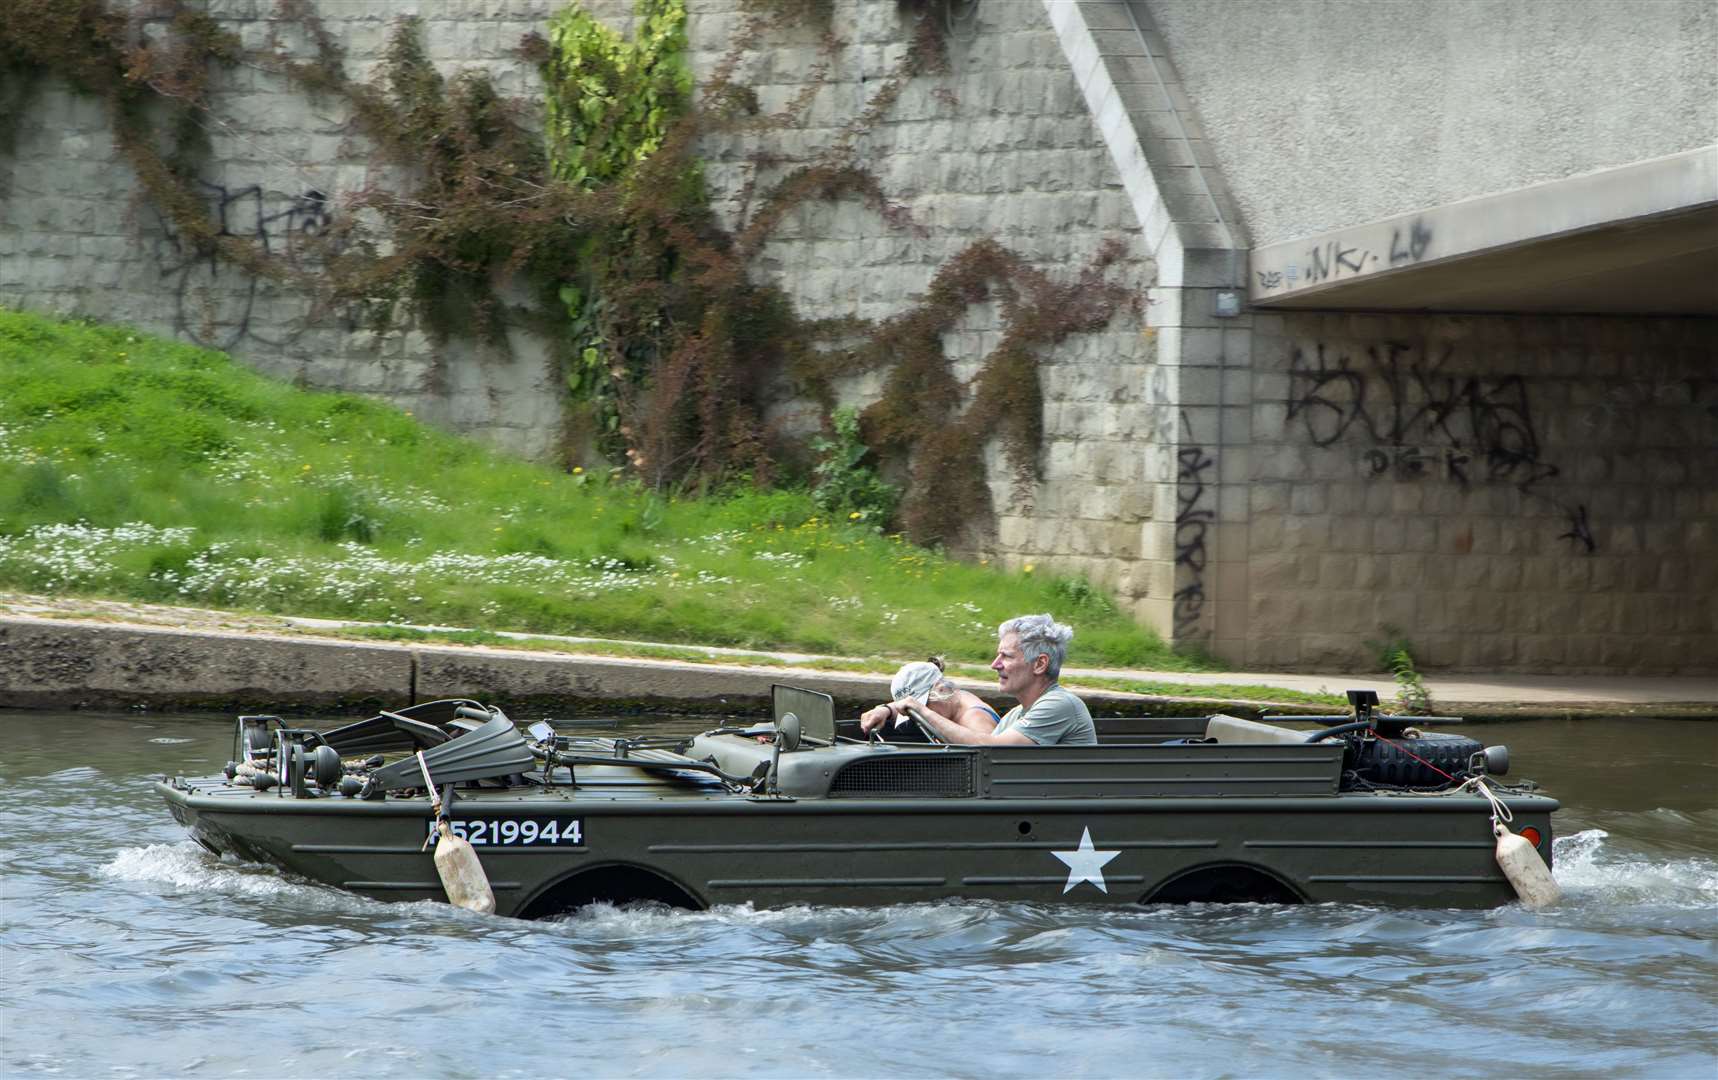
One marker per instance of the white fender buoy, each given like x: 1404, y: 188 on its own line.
x: 1520, y: 863
x: 462, y: 875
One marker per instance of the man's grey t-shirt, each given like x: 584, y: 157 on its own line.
x: 1057, y: 717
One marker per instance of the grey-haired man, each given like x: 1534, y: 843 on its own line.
x: 1029, y: 655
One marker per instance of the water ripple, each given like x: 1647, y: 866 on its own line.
x: 113, y: 923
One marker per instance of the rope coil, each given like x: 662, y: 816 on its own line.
x: 1500, y: 812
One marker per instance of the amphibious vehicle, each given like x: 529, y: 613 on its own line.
x: 802, y: 810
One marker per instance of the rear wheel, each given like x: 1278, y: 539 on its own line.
x: 1228, y: 883
x: 617, y: 884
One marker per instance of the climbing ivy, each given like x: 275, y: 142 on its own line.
x: 610, y: 101
x: 940, y: 426
x: 609, y: 104
x: 478, y: 209
x: 153, y: 89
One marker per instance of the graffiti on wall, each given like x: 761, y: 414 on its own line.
x: 1409, y: 244
x: 1346, y: 257
x: 215, y: 300
x: 1402, y: 398
x: 1579, y: 530
x: 1420, y: 420
x: 1193, y: 517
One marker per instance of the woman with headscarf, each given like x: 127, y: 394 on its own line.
x: 920, y: 687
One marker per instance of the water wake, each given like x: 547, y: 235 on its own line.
x: 186, y: 867
x: 183, y: 866
x: 1589, y: 869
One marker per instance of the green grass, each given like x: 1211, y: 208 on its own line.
x: 141, y: 469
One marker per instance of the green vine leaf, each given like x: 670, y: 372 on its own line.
x: 595, y: 81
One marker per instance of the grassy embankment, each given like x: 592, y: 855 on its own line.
x: 140, y: 469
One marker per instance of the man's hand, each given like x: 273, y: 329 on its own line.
x: 876, y: 718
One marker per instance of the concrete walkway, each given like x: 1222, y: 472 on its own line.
x: 79, y: 652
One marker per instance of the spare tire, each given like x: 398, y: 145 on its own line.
x: 1379, y: 762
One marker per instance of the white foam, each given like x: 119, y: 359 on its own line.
x: 1587, y: 869
x: 187, y: 867
x: 1578, y: 848
x: 604, y: 921
x: 183, y: 866
x: 644, y: 920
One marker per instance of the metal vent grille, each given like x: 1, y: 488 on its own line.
x: 933, y: 776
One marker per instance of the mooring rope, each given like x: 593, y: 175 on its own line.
x: 435, y: 799
x: 1500, y: 811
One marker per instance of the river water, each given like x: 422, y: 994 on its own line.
x: 128, y: 951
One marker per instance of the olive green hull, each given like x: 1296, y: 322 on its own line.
x: 705, y: 846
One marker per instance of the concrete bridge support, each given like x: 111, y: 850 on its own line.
x: 1440, y: 427
x: 1197, y: 542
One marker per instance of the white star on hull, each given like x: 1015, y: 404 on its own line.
x: 1085, y: 863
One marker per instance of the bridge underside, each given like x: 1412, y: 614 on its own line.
x: 1638, y: 240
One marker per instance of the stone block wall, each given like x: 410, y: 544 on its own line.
x: 1513, y: 493
x: 77, y: 237
x: 1001, y: 147
x: 1190, y: 582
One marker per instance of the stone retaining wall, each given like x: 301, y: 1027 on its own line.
x: 71, y: 664
x: 1001, y: 148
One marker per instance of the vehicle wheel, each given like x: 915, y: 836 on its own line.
x: 1225, y: 883
x: 1381, y: 762
x: 617, y: 883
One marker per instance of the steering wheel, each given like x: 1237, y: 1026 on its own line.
x: 930, y: 733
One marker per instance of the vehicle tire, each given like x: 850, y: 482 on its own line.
x: 619, y: 884
x: 1224, y: 883
x: 1380, y: 762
